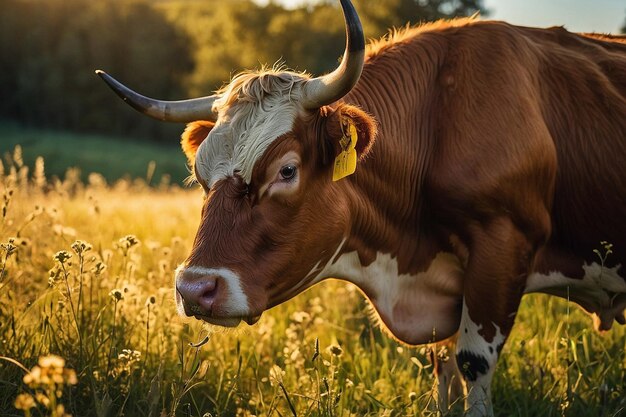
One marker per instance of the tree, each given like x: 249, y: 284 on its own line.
x: 52, y: 48
x: 379, y: 16
x: 168, y: 49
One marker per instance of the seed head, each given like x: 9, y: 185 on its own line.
x: 335, y: 350
x: 80, y: 247
x: 127, y: 242
x: 62, y: 256
x: 10, y: 247
x: 116, y: 294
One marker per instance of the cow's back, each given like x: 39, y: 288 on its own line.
x: 583, y: 92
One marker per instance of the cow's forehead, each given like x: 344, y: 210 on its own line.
x: 254, y: 110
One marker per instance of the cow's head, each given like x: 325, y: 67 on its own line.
x: 263, y: 149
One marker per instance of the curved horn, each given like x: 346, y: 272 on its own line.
x: 170, y: 111
x: 329, y: 88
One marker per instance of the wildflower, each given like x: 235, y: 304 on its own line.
x: 33, y: 377
x: 335, y: 350
x: 126, y: 360
x: 276, y: 375
x: 60, y: 411
x: 443, y: 354
x: 127, y: 242
x: 9, y: 247
x: 153, y: 245
x: 300, y: 316
x: 51, y: 361
x: 42, y: 399
x: 412, y: 396
x: 116, y: 294
x: 98, y: 268
x: 129, y: 355
x: 70, y: 376
x: 151, y: 300
x: 81, y: 247
x: 63, y: 231
x: 62, y: 256
x: 50, y: 373
x: 24, y: 402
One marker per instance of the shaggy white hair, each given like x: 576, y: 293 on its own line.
x: 254, y: 110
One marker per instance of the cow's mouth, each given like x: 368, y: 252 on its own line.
x: 228, y: 321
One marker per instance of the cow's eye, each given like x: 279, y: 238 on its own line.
x: 288, y: 172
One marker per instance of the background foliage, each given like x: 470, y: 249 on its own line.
x: 166, y: 49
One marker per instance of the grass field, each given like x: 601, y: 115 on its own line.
x: 86, y: 273
x: 113, y: 157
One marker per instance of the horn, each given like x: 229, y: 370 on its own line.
x: 329, y: 88
x: 182, y: 111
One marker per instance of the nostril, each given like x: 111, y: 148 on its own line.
x: 197, y: 292
x: 208, y: 293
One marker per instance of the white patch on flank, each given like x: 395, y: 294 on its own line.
x: 597, y: 279
x: 601, y: 291
x: 478, y: 401
x: 236, y: 303
x: 414, y: 307
x: 254, y: 110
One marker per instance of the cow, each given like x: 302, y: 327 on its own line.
x: 446, y: 170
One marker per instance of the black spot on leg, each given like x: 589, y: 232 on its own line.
x: 466, y: 330
x: 490, y: 349
x: 471, y: 364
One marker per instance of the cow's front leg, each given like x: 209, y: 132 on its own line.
x: 449, y: 381
x: 498, y: 264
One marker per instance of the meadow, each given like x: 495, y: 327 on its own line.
x: 88, y: 325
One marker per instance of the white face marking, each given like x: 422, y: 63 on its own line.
x: 416, y: 308
x: 601, y: 291
x: 259, y: 111
x: 470, y: 342
x: 236, y: 303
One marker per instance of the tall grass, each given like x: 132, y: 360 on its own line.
x: 86, y: 274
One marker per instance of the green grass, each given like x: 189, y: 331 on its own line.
x: 288, y: 364
x: 113, y: 157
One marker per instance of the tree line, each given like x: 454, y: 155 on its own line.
x: 168, y: 49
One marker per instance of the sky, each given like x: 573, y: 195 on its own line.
x: 605, y: 16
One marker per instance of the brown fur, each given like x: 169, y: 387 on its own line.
x: 499, y: 143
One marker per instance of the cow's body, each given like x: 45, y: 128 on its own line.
x: 497, y: 169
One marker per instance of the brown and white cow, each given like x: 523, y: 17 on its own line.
x: 491, y: 163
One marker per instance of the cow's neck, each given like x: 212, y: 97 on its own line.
x: 386, y: 193
x: 388, y: 253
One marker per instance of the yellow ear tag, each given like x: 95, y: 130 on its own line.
x: 345, y: 162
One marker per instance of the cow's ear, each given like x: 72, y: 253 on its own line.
x: 339, y: 124
x: 193, y: 136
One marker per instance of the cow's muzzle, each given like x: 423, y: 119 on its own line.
x: 214, y: 295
